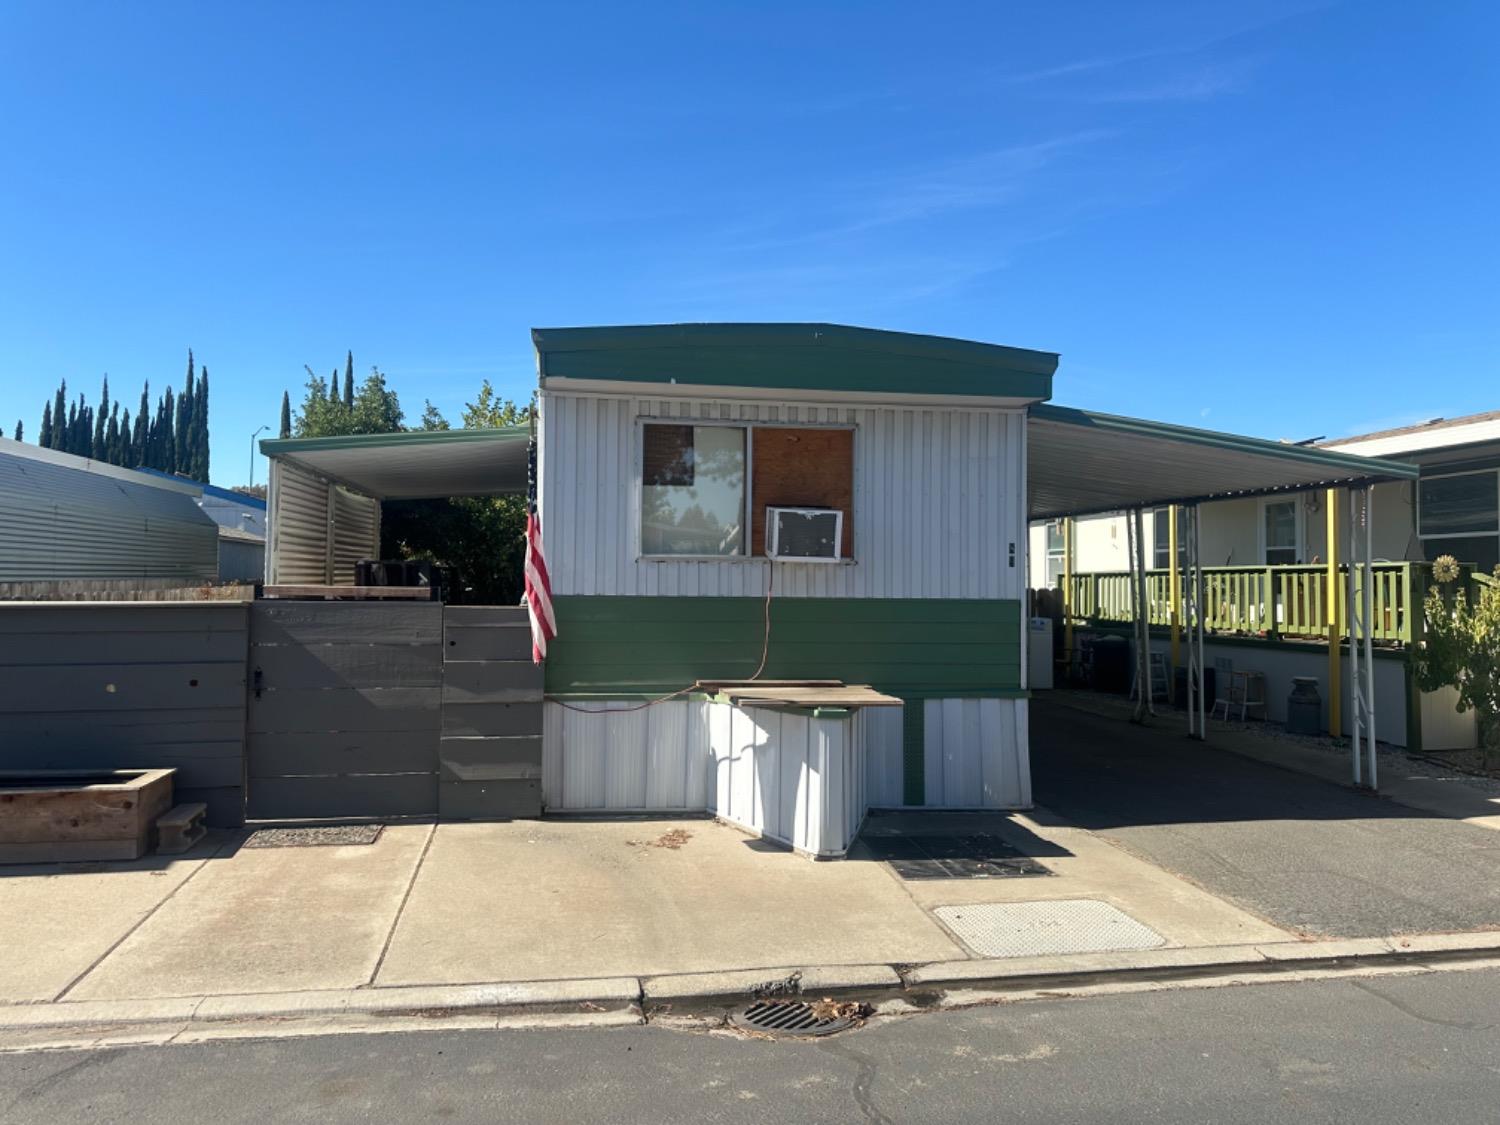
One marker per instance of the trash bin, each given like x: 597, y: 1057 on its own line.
x: 1304, y: 707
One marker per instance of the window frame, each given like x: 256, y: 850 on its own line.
x: 1421, y: 535
x: 638, y: 469
x: 1299, y: 548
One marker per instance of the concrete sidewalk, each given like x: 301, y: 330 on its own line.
x: 565, y: 918
x: 461, y: 903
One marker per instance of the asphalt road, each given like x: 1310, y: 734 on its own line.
x: 1304, y: 853
x: 1394, y: 1049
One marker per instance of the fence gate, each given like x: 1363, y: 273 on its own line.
x: 345, y: 709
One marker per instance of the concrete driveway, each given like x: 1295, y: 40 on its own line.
x: 1304, y: 853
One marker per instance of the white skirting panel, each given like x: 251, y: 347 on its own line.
x: 793, y: 778
x: 673, y: 758
x: 881, y: 733
x: 618, y: 760
x: 977, y: 754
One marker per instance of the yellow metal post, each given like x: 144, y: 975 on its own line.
x: 1067, y: 530
x: 1337, y: 623
x: 1174, y: 596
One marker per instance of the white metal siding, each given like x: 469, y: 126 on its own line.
x: 977, y: 754
x: 790, y: 777
x: 58, y: 522
x: 318, y: 530
x: 299, y: 526
x: 938, y: 501
x: 356, y: 533
x: 673, y: 757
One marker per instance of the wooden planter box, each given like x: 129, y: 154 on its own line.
x: 60, y: 816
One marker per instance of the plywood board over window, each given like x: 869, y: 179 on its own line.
x: 801, y: 467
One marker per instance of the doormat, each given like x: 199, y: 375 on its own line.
x: 1030, y: 929
x: 333, y: 835
x: 952, y: 857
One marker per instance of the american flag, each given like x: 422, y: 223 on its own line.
x: 538, y: 585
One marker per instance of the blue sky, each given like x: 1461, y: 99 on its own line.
x: 1274, y: 218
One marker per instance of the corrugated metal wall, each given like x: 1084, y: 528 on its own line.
x: 94, y: 684
x: 316, y: 538
x: 938, y: 497
x: 662, y: 758
x: 977, y: 754
x: 59, y: 521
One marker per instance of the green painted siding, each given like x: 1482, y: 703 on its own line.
x: 908, y: 647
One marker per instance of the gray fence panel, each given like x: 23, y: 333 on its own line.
x: 491, y: 749
x: 346, y: 708
x: 129, y: 686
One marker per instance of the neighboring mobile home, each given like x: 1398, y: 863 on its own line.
x: 66, y: 518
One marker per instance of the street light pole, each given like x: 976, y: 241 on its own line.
x: 253, y: 436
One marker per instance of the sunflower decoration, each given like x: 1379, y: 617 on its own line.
x: 1445, y: 568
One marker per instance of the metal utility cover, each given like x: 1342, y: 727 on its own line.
x: 1028, y: 929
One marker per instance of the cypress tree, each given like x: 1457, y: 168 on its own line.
x: 140, y: 441
x: 112, y: 437
x: 286, y: 415
x: 168, y: 435
x: 71, y: 430
x: 349, y: 382
x: 19, y: 432
x: 184, y: 429
x: 200, y: 429
x: 44, y: 439
x: 98, y: 449
x: 127, y: 442
x: 59, y: 414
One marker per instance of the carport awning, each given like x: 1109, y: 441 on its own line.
x: 418, y: 465
x: 1081, y: 463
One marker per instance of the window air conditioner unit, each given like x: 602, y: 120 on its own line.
x: 804, y: 534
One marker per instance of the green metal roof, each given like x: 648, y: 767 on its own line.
x: 1082, y: 462
x: 416, y: 464
x: 799, y: 357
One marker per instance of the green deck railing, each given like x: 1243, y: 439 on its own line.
x: 1272, y: 601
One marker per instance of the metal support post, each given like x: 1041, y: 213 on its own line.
x: 1143, y: 704
x: 1200, y: 596
x: 1370, y: 631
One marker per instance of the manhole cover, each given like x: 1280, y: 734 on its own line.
x: 798, y: 1017
x: 323, y: 837
x: 1027, y: 929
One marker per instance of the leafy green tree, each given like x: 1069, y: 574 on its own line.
x: 44, y: 439
x: 432, y: 418
x: 1460, y: 646
x: 286, y: 416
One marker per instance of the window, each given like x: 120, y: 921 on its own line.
x: 1161, y: 544
x: 693, y: 490
x: 1462, y: 504
x: 705, y: 488
x: 1280, y: 532
x: 1056, y: 551
x: 1459, y: 515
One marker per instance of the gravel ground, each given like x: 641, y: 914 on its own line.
x: 329, y: 836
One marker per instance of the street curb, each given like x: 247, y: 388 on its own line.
x: 636, y: 999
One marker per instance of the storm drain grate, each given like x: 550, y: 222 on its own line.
x: 327, y: 836
x: 1026, y: 929
x: 797, y: 1017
